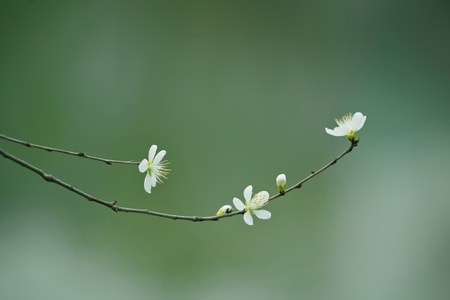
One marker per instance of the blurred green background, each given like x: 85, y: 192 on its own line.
x: 236, y: 92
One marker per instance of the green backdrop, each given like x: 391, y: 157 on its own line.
x: 236, y: 92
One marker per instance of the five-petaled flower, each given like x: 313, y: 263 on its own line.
x: 155, y: 167
x: 348, y: 125
x: 252, y: 205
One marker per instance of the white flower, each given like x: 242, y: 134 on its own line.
x: 155, y: 167
x: 348, y: 125
x: 226, y: 209
x: 252, y: 205
x: 281, y: 182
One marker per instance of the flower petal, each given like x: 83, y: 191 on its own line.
x: 358, y: 121
x: 159, y: 156
x: 147, y: 184
x: 151, y: 152
x: 248, y: 193
x: 330, y: 131
x: 259, y: 199
x: 238, y: 204
x: 153, y: 180
x: 338, y: 131
x: 262, y: 214
x: 248, y: 219
x: 143, y: 166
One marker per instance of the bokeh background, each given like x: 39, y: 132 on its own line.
x: 236, y: 92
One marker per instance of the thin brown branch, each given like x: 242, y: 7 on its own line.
x: 110, y: 204
x: 113, y: 204
x: 353, y: 144
x: 73, y: 153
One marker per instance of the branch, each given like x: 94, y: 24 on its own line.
x: 353, y: 144
x: 74, y: 153
x: 113, y: 204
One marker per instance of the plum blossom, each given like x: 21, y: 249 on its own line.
x: 348, y: 125
x: 155, y: 167
x: 252, y: 205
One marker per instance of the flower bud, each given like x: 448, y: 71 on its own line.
x: 226, y: 209
x: 281, y: 183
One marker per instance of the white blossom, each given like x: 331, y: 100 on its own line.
x: 155, y: 167
x: 348, y: 125
x: 252, y: 205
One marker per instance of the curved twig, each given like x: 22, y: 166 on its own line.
x: 113, y: 204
